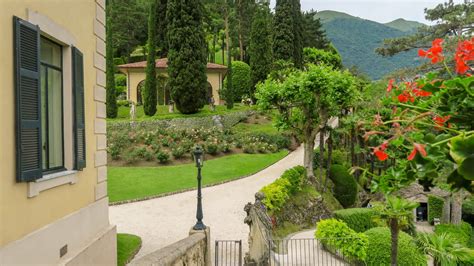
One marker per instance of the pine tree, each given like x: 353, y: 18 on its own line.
x: 283, y: 31
x: 187, y: 56
x: 260, y: 46
x: 111, y: 95
x: 150, y: 90
x: 314, y: 35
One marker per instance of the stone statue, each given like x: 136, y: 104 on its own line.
x: 133, y: 115
x: 260, y: 232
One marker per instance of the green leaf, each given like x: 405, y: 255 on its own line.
x: 466, y: 169
x: 461, y: 148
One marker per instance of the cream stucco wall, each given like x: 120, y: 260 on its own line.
x: 23, y: 213
x: 135, y: 76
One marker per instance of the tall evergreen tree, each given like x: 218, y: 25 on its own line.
x: 288, y: 32
x: 161, y: 28
x: 187, y: 56
x: 244, y: 10
x: 111, y: 94
x: 314, y: 35
x: 298, y: 33
x: 260, y: 45
x: 229, y: 90
x: 283, y: 34
x: 149, y: 93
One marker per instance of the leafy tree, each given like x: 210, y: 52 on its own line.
x: 451, y: 19
x: 444, y: 249
x: 260, y: 46
x: 318, y: 56
x: 314, y: 35
x: 111, y: 95
x: 129, y: 25
x: 241, y: 80
x: 244, y: 14
x: 150, y: 93
x: 305, y: 100
x: 187, y: 56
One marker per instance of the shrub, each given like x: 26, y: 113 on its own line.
x: 378, y: 252
x: 358, y: 219
x: 162, y: 156
x: 148, y: 155
x: 211, y: 148
x: 281, y: 189
x: 462, y: 232
x: 435, y: 208
x: 131, y: 156
x: 345, y: 189
x: 178, y: 152
x: 114, y: 151
x: 241, y: 80
x: 125, y: 103
x: 338, y: 236
x: 468, y: 211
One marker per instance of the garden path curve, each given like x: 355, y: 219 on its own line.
x: 163, y: 221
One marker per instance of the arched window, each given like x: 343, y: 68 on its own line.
x: 140, y: 87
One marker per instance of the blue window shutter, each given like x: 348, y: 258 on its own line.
x: 28, y: 100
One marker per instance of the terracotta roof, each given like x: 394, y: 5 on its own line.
x: 163, y: 63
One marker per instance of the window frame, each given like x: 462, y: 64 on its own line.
x: 61, y: 168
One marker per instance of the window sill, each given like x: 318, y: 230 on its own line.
x: 51, y: 181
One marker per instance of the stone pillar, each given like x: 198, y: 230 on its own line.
x: 207, y: 232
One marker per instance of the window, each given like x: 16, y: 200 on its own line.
x: 52, y: 128
x: 45, y: 142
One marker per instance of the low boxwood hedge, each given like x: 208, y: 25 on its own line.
x: 435, y: 208
x: 379, y: 250
x: 359, y: 219
x: 345, y: 186
x: 336, y: 235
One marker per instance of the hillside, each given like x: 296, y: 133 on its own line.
x: 356, y: 39
x: 404, y: 25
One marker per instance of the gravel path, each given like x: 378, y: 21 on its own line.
x: 163, y: 221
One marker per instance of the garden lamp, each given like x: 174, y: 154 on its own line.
x: 199, y: 158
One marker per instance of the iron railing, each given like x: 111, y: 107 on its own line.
x: 228, y: 253
x: 307, y: 252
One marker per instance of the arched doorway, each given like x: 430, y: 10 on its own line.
x: 209, y: 94
x: 140, y: 87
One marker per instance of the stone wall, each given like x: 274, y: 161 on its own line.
x: 193, y: 250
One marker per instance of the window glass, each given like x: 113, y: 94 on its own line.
x: 50, y: 53
x: 52, y: 106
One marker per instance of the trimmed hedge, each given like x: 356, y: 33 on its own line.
x: 281, y: 189
x: 462, y: 232
x: 241, y: 80
x: 345, y: 186
x: 338, y: 236
x: 435, y: 208
x: 379, y: 249
x: 358, y: 219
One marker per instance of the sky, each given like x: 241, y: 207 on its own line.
x: 377, y: 10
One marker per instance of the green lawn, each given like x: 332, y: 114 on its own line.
x: 162, y: 112
x: 127, y: 183
x: 267, y: 128
x: 127, y: 247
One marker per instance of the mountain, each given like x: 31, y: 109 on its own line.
x: 357, y: 38
x: 404, y: 25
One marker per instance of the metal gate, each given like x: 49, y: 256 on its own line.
x: 228, y: 253
x: 307, y: 252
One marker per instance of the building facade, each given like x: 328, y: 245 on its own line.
x: 53, y: 197
x: 136, y: 75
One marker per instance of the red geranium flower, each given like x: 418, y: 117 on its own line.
x: 435, y: 53
x: 440, y: 121
x: 421, y: 93
x: 380, y: 151
x: 464, y: 54
x: 405, y: 97
x: 390, y: 85
x: 417, y: 148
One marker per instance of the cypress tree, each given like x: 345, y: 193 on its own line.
x: 283, y: 31
x: 187, y: 55
x: 229, y: 90
x: 150, y: 90
x: 260, y: 46
x: 161, y: 28
x: 298, y: 33
x: 111, y: 95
